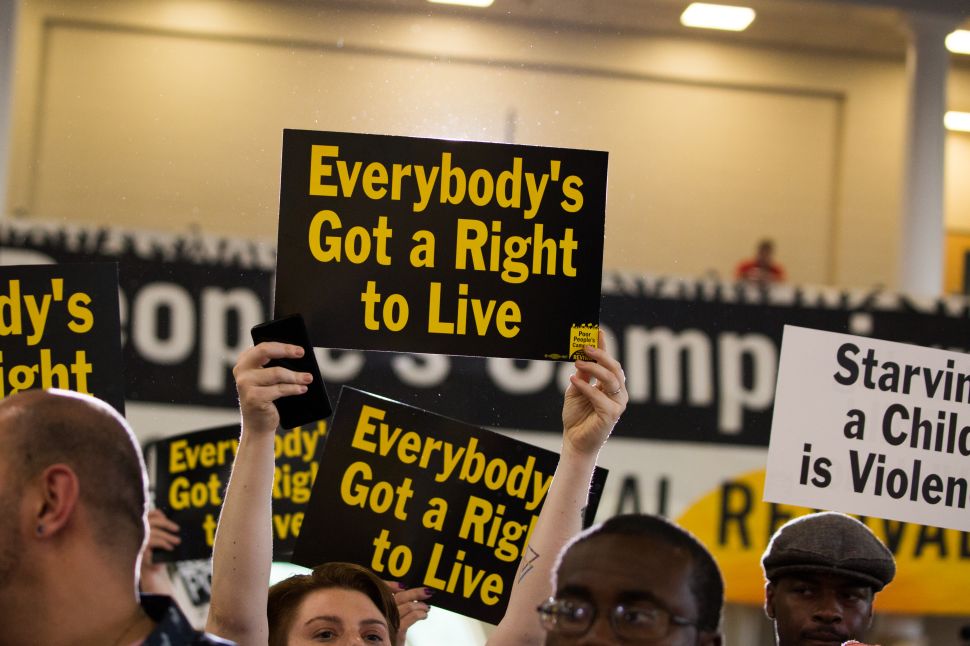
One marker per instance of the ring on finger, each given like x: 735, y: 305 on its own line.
x: 610, y: 393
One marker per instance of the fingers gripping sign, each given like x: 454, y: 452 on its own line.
x: 590, y: 411
x: 162, y: 535
x: 411, y: 607
x: 259, y: 386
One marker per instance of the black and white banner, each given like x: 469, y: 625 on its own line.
x: 700, y: 357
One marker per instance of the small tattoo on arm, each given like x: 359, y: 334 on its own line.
x: 527, y: 565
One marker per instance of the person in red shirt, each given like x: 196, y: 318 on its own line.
x: 762, y: 268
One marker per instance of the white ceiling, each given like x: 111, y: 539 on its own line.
x: 863, y: 27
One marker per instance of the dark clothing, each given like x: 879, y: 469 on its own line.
x: 172, y: 628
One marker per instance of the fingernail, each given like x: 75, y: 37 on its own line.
x: 400, y: 586
x: 429, y: 591
x: 303, y: 389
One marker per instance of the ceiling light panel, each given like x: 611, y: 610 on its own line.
x: 958, y: 41
x: 957, y: 121
x: 717, y: 16
x: 465, y: 3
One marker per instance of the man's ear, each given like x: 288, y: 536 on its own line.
x: 770, y: 600
x: 59, y: 493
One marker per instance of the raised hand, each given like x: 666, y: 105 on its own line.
x: 259, y: 386
x: 590, y: 411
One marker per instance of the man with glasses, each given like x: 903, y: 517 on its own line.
x: 635, y: 579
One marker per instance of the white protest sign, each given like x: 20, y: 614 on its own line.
x: 871, y: 427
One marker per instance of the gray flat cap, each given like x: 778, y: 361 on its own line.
x: 829, y: 543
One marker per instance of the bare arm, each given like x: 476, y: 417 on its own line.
x: 589, y: 414
x: 243, y: 549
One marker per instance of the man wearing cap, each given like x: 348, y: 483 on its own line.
x: 823, y: 571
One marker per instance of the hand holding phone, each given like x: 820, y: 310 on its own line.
x: 314, y: 404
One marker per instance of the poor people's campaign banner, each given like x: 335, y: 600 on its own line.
x: 436, y: 246
x: 700, y: 356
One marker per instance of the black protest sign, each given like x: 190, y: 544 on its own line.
x: 191, y: 472
x: 449, y: 247
x: 427, y: 501
x: 59, y: 328
x: 187, y: 302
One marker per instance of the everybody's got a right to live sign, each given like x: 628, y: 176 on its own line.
x: 871, y: 427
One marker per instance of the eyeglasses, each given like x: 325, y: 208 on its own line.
x: 638, y: 621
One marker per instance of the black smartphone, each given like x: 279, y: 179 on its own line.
x: 314, y: 404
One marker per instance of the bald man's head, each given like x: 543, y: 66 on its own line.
x: 43, y: 428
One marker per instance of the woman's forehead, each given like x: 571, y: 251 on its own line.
x: 347, y: 604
